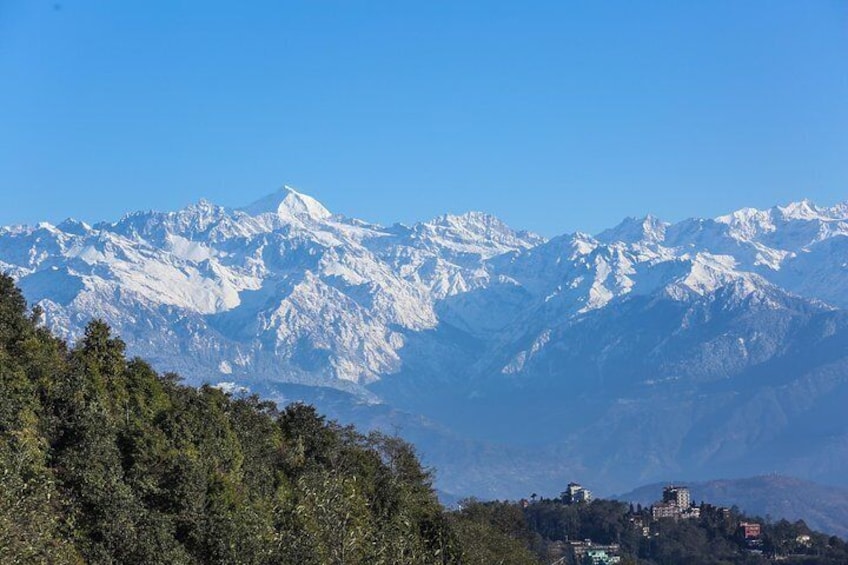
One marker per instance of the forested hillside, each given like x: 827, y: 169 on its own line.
x: 102, y: 460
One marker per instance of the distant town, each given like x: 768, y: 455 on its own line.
x: 675, y: 504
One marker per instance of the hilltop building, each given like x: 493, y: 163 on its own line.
x: 750, y: 533
x: 575, y: 494
x: 749, y: 530
x: 664, y: 510
x: 676, y: 503
x: 678, y: 495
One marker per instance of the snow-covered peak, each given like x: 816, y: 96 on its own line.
x: 472, y: 223
x: 466, y: 219
x: 476, y: 232
x: 74, y: 226
x: 744, y: 215
x: 790, y: 228
x: 803, y: 210
x: 806, y: 210
x: 649, y: 229
x: 201, y: 208
x: 289, y: 204
x: 748, y: 223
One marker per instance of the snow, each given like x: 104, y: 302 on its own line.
x: 289, y: 205
x: 632, y: 230
x: 283, y: 289
x: 231, y: 387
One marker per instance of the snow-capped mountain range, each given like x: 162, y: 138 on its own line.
x: 281, y: 289
x: 649, y: 348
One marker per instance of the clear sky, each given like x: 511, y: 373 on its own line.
x: 556, y: 116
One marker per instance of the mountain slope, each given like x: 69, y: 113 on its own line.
x: 648, y: 349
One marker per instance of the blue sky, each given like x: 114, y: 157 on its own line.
x: 556, y: 116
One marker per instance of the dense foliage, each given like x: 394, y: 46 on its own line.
x: 495, y: 533
x: 102, y: 460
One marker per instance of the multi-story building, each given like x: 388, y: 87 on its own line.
x: 583, y: 495
x: 749, y: 530
x: 575, y: 494
x: 664, y: 510
x: 676, y: 503
x: 678, y: 495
